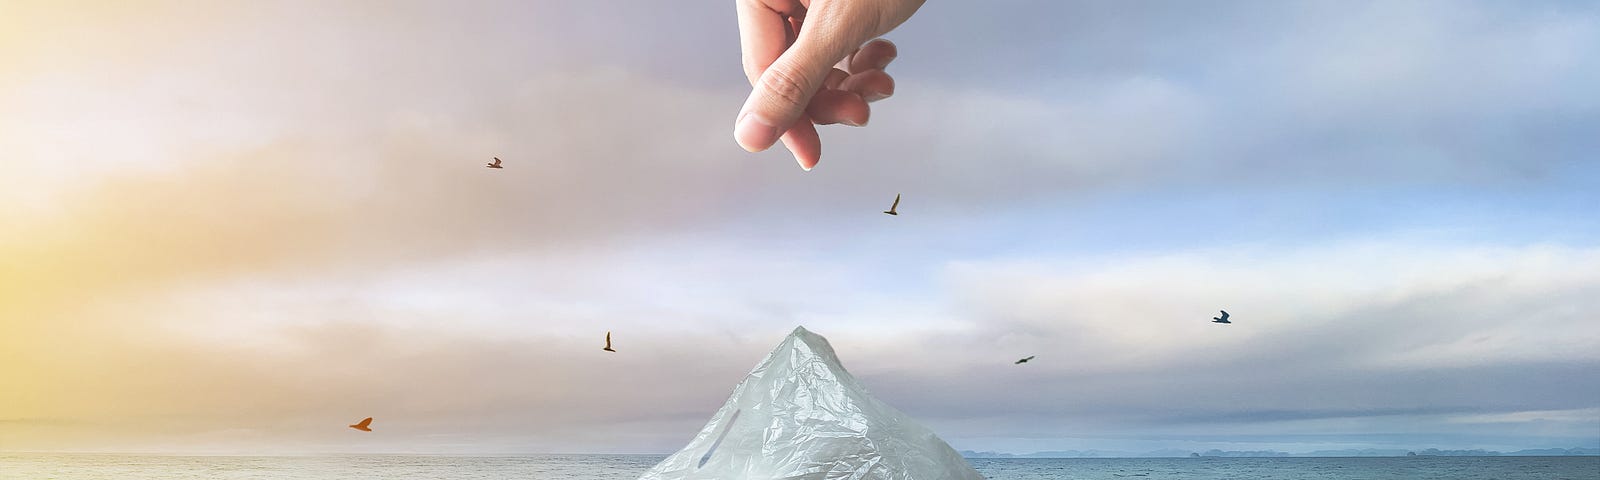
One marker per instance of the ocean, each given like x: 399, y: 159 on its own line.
x: 628, y: 467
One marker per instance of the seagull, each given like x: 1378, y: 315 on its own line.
x: 896, y: 205
x: 363, y: 425
x: 496, y: 163
x: 1025, y: 360
x: 1221, y: 319
x: 608, y: 343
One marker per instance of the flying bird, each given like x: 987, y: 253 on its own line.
x: 1025, y: 360
x: 363, y: 425
x: 896, y: 205
x: 1221, y: 319
x: 608, y: 343
x: 495, y: 164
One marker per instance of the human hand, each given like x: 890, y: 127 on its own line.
x: 807, y: 64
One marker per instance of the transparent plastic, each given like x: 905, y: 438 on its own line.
x: 800, y: 416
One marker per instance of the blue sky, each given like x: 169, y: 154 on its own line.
x: 281, y: 210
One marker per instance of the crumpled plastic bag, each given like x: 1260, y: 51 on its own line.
x: 800, y: 416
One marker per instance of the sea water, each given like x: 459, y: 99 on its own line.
x: 628, y: 467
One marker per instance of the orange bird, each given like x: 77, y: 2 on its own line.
x: 363, y: 425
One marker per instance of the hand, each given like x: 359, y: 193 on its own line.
x: 807, y: 63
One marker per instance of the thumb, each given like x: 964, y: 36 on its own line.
x: 782, y: 92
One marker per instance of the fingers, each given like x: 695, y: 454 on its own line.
x: 803, y: 142
x: 838, y: 106
x: 835, y: 77
x: 790, y: 65
x: 781, y: 95
x: 763, y: 35
x: 871, y: 85
x: 875, y: 55
x: 785, y: 89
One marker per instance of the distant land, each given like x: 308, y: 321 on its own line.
x: 1365, y: 452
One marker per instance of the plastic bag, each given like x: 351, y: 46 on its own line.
x: 799, y: 415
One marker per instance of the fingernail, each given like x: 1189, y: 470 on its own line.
x: 852, y: 122
x: 755, y: 133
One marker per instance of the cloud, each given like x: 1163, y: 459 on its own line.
x: 1123, y: 348
x: 1308, y: 93
x: 242, y: 235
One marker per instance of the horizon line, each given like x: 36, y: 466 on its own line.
x: 964, y: 453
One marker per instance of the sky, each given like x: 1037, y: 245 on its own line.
x: 236, y: 227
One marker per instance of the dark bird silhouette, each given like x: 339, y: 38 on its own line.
x: 1025, y: 360
x: 892, y: 207
x: 1221, y: 319
x: 495, y: 164
x: 363, y: 425
x: 608, y: 343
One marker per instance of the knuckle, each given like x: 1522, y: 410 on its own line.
x: 785, y: 86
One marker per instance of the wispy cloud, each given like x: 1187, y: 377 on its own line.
x: 219, y: 233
